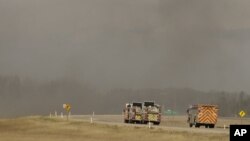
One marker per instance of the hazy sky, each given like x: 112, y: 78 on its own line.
x: 201, y: 44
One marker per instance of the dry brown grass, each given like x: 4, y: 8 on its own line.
x: 50, y: 129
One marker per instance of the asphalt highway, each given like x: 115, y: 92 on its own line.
x: 118, y: 120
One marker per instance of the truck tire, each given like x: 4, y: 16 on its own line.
x: 197, y: 125
x: 190, y: 125
x: 211, y: 126
x: 156, y: 123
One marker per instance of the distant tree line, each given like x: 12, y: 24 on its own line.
x: 20, y: 97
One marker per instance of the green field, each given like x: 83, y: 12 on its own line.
x: 52, y: 129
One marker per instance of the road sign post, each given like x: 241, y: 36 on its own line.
x: 242, y: 114
x: 67, y: 107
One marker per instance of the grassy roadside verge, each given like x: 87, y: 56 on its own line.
x: 51, y: 129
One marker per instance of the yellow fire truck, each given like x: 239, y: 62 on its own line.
x: 133, y: 112
x: 138, y: 112
x: 152, y: 113
x: 202, y: 115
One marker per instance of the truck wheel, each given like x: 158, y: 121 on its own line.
x: 211, y: 126
x: 156, y: 123
x: 197, y: 125
x: 190, y: 125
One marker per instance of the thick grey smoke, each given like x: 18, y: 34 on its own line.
x: 201, y: 44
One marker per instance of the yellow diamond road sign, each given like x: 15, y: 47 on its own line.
x: 242, y: 113
x: 67, y: 107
